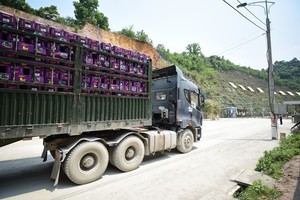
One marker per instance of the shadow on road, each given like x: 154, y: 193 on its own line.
x: 27, y: 175
x: 250, y: 139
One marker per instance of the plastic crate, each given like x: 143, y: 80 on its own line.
x: 117, y: 50
x: 26, y: 25
x: 24, y: 73
x: 103, y: 61
x: 115, y: 63
x: 114, y: 84
x: 26, y: 44
x: 6, y: 72
x: 39, y: 75
x: 95, y: 80
x: 124, y: 85
x: 133, y: 69
x: 8, y: 20
x: 7, y: 40
x: 41, y: 29
x: 94, y: 45
x: 105, y: 47
x: 58, y: 34
x: 57, y: 51
x: 123, y: 66
x: 41, y: 48
x: 104, y: 83
x: 85, y: 83
x: 9, y: 45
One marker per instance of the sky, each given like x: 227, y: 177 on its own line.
x: 213, y: 24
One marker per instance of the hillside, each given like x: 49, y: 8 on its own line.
x: 245, y: 99
x: 288, y: 73
x: 214, y: 73
x: 98, y: 34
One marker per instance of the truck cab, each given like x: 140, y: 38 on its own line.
x: 176, y: 102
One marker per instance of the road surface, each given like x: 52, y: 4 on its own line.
x: 228, y: 146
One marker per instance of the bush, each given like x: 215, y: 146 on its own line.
x: 258, y: 191
x: 272, y: 162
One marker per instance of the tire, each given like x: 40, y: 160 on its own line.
x: 128, y: 154
x: 186, y: 142
x: 86, y: 162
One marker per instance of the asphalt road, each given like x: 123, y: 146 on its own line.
x: 228, y: 146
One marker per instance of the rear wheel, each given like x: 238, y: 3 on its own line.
x: 128, y: 154
x: 186, y: 142
x: 86, y: 162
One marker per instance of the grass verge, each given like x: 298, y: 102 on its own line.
x: 272, y: 161
x: 271, y: 164
x: 258, y: 191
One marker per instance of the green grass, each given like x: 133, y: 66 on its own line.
x: 258, y: 191
x: 271, y: 164
x: 272, y: 161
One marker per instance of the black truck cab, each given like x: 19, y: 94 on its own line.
x: 176, y: 101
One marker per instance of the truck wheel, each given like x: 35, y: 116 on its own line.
x: 186, y: 142
x: 86, y: 162
x: 129, y: 154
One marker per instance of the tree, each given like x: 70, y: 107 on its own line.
x: 102, y: 21
x: 142, y: 36
x: 194, y: 49
x: 128, y: 31
x: 139, y: 35
x: 18, y: 4
x: 49, y: 13
x: 86, y: 11
x: 69, y: 21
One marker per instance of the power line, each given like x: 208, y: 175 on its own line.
x: 253, y: 14
x: 243, y: 15
x: 238, y: 45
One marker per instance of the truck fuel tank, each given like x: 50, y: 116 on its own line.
x: 159, y: 141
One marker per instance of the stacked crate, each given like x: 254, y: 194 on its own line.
x: 47, y: 61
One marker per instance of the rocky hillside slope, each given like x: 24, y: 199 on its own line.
x: 98, y: 34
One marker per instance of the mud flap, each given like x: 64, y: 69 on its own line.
x: 44, y: 155
x: 199, y: 133
x: 55, y: 171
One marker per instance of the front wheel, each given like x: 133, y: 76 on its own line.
x: 185, y: 144
x: 86, y: 162
x: 128, y: 154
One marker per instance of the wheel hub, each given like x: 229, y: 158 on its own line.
x: 130, y: 152
x: 87, y: 161
x: 187, y: 141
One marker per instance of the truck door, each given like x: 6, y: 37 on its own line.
x: 194, y: 107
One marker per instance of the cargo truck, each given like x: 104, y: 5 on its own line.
x: 91, y: 102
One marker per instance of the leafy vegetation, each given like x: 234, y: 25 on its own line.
x: 139, y: 35
x: 85, y: 11
x: 288, y: 73
x: 272, y: 161
x: 19, y: 5
x: 271, y: 164
x: 258, y: 191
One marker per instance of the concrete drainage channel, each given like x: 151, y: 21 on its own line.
x: 246, y: 178
x: 242, y: 180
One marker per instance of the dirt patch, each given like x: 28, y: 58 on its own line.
x: 289, y: 184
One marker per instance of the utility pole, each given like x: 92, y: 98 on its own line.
x: 274, y: 125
